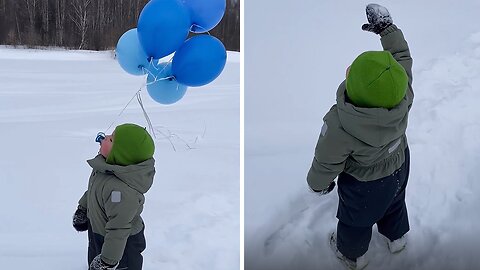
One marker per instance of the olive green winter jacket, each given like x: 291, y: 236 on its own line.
x: 367, y: 143
x: 114, y: 202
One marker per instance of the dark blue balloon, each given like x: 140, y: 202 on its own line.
x: 199, y: 61
x: 161, y: 86
x: 163, y: 26
x: 205, y: 14
x: 130, y: 54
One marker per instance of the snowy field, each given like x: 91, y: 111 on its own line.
x: 53, y: 103
x: 295, y: 58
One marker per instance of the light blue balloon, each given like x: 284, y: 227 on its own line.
x: 163, y: 26
x: 205, y: 14
x: 161, y: 88
x: 199, y: 61
x: 130, y: 53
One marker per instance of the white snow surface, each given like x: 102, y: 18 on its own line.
x: 295, y: 58
x: 53, y: 103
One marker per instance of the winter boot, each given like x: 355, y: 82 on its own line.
x: 358, y: 264
x: 398, y: 245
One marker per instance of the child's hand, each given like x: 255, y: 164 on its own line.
x: 98, y: 264
x: 80, y: 220
x: 325, y: 191
x: 378, y: 17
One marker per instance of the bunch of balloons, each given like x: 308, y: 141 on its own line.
x: 162, y: 29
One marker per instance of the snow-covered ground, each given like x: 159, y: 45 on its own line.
x: 295, y: 57
x: 53, y: 103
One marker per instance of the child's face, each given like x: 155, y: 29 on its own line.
x: 106, y: 145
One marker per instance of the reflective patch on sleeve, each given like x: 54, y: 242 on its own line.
x: 116, y: 196
x: 394, y: 147
x: 324, y: 129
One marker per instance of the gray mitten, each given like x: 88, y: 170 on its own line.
x: 378, y: 19
x: 98, y: 264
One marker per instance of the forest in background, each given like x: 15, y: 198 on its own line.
x: 89, y: 24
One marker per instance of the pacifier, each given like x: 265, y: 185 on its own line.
x: 100, y: 137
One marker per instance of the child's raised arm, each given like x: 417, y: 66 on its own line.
x: 394, y: 42
x: 381, y: 23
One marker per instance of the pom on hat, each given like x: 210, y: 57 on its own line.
x: 376, y: 80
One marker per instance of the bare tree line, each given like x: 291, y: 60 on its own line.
x: 88, y: 24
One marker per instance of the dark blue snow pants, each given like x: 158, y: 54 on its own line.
x: 362, y: 204
x: 132, y: 255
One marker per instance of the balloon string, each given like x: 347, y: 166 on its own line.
x: 193, y: 25
x: 145, y: 114
x: 124, y: 108
x: 156, y: 77
x: 149, y: 122
x: 137, y: 94
x: 145, y: 70
x: 155, y: 130
x: 160, y: 79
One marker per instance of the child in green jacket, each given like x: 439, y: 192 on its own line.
x: 363, y: 142
x: 110, y: 209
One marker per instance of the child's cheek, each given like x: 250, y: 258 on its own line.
x: 103, y: 151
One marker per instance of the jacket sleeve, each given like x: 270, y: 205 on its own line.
x: 393, y: 41
x: 121, y: 206
x: 331, y: 152
x: 83, y: 200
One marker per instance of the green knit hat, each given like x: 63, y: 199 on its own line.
x: 376, y: 80
x: 131, y: 145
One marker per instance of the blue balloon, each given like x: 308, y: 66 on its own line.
x: 162, y: 87
x: 199, y: 61
x: 205, y: 14
x: 163, y: 26
x: 130, y: 54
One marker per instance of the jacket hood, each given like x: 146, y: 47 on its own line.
x: 373, y: 126
x: 137, y: 176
